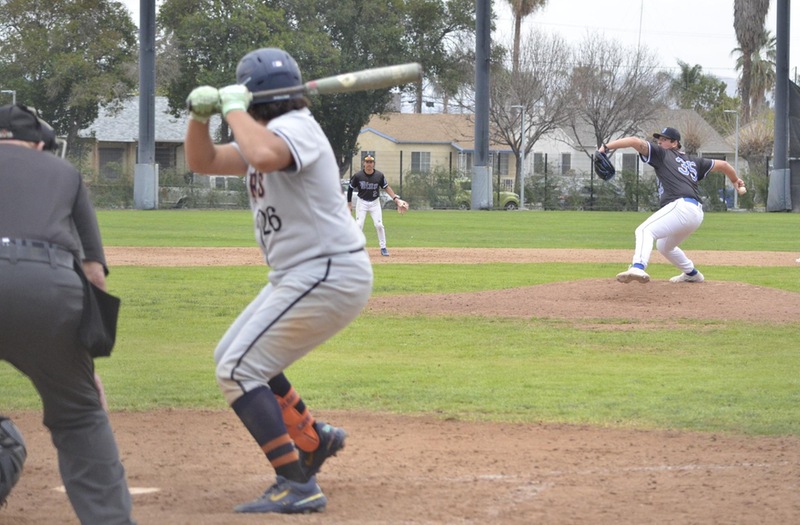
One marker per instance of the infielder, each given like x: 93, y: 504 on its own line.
x: 368, y: 184
x: 681, y: 210
x: 320, y: 278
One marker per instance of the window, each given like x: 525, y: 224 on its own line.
x: 421, y: 161
x: 629, y: 162
x: 538, y: 162
x: 465, y: 162
x: 110, y: 162
x: 165, y: 156
x: 219, y: 183
x: 566, y: 163
x: 502, y: 163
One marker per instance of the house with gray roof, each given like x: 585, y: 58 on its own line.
x: 113, y: 139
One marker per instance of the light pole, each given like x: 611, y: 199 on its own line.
x: 13, y: 95
x: 522, y: 157
x: 736, y: 157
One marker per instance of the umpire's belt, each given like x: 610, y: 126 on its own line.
x: 28, y: 250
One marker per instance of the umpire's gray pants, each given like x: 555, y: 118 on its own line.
x: 40, y: 309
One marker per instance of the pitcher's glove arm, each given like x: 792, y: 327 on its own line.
x: 602, y: 164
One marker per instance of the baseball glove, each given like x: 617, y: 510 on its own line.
x: 402, y: 206
x: 12, y: 457
x: 603, y: 166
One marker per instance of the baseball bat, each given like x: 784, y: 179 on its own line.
x: 375, y: 78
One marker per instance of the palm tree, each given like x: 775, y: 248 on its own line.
x: 748, y: 22
x: 762, y: 69
x: 681, y: 85
x: 521, y: 9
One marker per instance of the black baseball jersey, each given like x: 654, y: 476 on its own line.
x: 368, y: 186
x: 677, y: 173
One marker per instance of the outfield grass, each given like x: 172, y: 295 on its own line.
x: 519, y: 229
x: 701, y: 375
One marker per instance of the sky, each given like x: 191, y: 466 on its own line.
x: 693, y: 31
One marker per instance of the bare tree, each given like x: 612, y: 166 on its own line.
x: 613, y: 91
x: 748, y: 22
x: 540, y: 86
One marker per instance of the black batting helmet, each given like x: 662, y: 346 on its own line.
x: 269, y: 68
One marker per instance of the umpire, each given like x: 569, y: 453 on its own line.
x: 42, y: 202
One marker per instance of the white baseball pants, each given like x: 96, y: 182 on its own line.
x: 669, y: 227
x: 373, y: 208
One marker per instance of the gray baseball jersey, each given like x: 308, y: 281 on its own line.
x: 296, y: 221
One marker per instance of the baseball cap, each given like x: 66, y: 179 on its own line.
x: 369, y: 157
x: 17, y: 122
x: 668, y: 133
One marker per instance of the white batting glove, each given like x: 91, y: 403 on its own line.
x: 234, y: 97
x: 203, y: 102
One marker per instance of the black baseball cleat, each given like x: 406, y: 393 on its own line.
x: 331, y: 441
x: 288, y: 497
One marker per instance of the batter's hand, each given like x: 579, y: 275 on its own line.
x: 234, y: 97
x: 203, y: 102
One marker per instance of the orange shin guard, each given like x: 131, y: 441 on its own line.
x: 300, y: 426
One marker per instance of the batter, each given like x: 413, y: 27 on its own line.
x: 681, y: 210
x: 320, y: 278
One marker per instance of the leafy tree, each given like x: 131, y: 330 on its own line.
x: 748, y: 22
x: 68, y: 59
x: 349, y: 35
x: 207, y: 39
x: 433, y: 30
x: 703, y: 93
x: 327, y: 37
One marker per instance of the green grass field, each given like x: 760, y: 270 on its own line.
x: 736, y: 377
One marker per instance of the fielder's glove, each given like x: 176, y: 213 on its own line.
x: 12, y: 456
x: 603, y: 166
x: 203, y: 102
x: 402, y: 206
x: 235, y: 96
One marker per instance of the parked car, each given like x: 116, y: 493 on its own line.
x: 507, y: 200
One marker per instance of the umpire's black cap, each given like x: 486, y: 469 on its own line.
x: 17, y: 122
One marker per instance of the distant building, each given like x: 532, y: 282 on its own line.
x: 113, y: 141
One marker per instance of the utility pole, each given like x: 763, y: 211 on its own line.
x: 521, y: 157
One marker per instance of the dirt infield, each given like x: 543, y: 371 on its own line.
x: 423, y: 470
